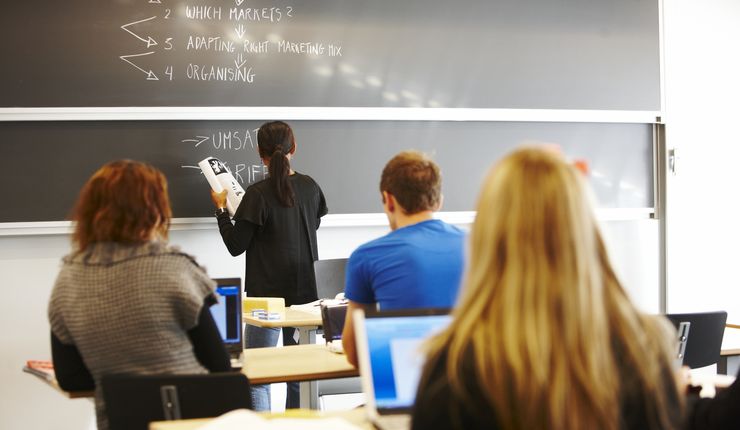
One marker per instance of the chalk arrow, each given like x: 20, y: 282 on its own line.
x: 149, y: 42
x: 150, y: 76
x: 155, y: 2
x: 239, y: 2
x: 239, y: 62
x: 240, y: 31
x: 202, y: 139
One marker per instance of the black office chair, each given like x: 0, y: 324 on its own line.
x: 330, y: 277
x: 133, y: 401
x: 705, y: 333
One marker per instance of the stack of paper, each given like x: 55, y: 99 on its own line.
x: 311, y: 307
x: 244, y: 419
x: 42, y: 368
x: 268, y: 305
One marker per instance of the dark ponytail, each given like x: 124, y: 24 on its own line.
x: 275, y: 141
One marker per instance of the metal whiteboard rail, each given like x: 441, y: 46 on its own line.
x: 324, y: 113
x: 328, y: 221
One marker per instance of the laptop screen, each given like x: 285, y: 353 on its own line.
x: 227, y: 313
x: 396, y: 360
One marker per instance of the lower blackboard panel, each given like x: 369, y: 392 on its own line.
x: 46, y: 163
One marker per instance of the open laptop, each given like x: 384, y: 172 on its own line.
x: 391, y: 360
x: 227, y: 314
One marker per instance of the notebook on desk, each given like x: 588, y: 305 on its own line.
x: 227, y: 314
x: 391, y: 360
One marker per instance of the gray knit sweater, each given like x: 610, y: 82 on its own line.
x: 127, y: 309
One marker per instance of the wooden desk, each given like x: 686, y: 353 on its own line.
x: 295, y: 363
x: 306, y: 362
x: 55, y: 385
x: 731, y: 341
x: 278, y: 364
x: 293, y: 318
x: 354, y: 416
x: 307, y: 323
x: 730, y: 347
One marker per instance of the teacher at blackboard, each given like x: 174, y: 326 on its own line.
x: 275, y: 224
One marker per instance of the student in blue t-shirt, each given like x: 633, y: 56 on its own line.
x: 419, y: 264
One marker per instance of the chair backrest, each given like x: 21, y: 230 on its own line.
x: 330, y: 277
x: 705, y: 334
x: 133, y: 401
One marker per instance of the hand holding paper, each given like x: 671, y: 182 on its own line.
x: 219, y: 199
x: 221, y: 180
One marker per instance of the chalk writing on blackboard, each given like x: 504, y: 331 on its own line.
x: 230, y: 146
x: 243, y: 45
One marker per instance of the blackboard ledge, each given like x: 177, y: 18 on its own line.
x: 242, y: 113
x: 462, y: 218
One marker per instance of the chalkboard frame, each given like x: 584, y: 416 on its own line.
x: 328, y: 114
x: 197, y: 113
x: 42, y: 228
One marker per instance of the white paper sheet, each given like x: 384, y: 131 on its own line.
x: 244, y: 419
x: 220, y: 178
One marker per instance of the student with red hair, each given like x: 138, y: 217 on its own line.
x: 124, y: 300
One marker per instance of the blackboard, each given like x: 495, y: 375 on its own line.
x: 46, y: 163
x: 524, y: 54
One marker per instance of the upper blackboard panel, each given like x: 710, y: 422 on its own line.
x: 524, y: 54
x: 46, y: 163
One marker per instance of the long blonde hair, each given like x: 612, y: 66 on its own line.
x: 542, y: 310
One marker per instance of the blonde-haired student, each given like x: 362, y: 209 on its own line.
x: 544, y: 335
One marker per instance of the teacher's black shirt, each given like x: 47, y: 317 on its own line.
x: 280, y: 242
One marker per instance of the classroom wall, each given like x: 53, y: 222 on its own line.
x: 28, y: 266
x: 702, y: 92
